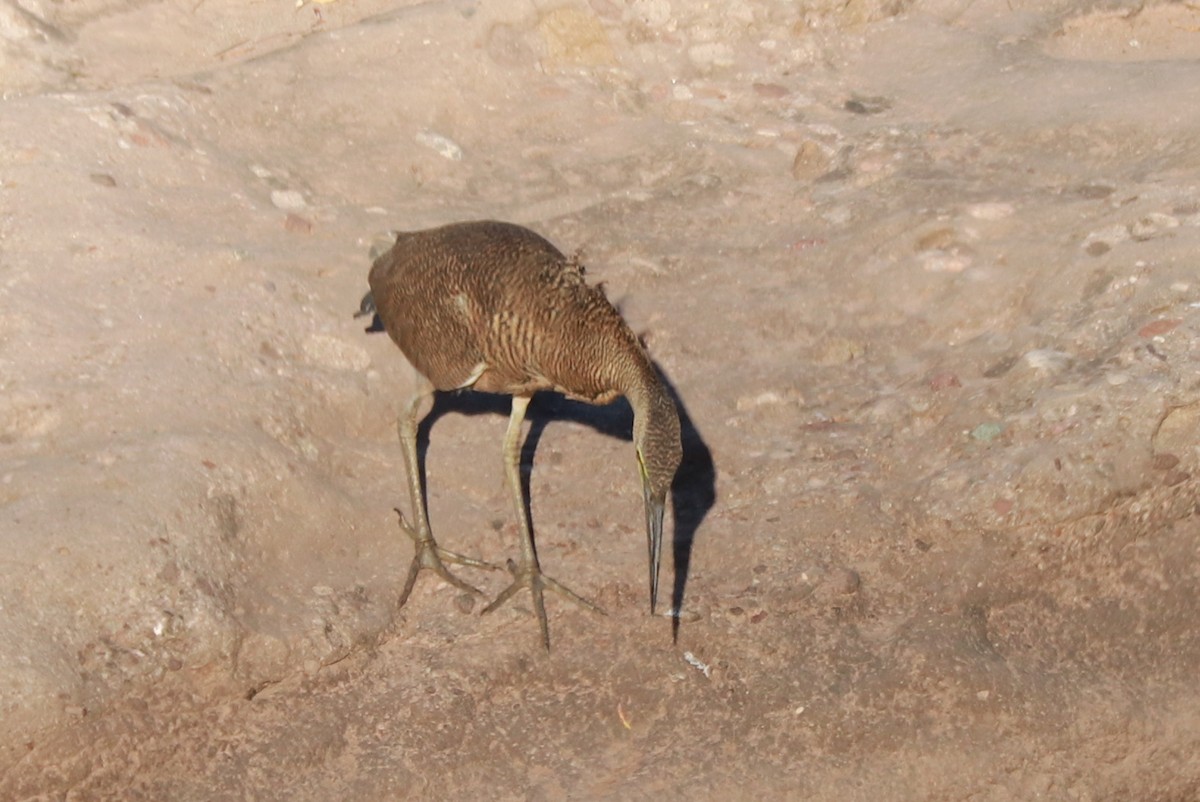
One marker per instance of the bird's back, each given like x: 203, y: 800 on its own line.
x: 495, y: 306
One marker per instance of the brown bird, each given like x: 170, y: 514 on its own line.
x: 495, y: 307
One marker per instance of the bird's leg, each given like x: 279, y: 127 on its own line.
x: 428, y: 553
x: 529, y: 573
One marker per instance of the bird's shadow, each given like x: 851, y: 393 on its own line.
x: 693, y: 492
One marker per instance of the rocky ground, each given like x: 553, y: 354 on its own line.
x: 923, y: 275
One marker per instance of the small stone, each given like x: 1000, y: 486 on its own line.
x: 1164, y: 462
x: 1175, y: 477
x: 941, y: 262
x: 938, y: 239
x: 444, y: 146
x: 1047, y: 360
x: 768, y: 398
x: 990, y: 211
x: 845, y: 581
x: 812, y: 161
x: 1158, y: 327
x: 103, y: 179
x: 464, y: 603
x: 297, y: 224
x: 944, y: 381
x: 867, y: 105
x: 1152, y: 225
x: 1097, y: 248
x: 986, y: 432
x: 1094, y: 191
x: 839, y: 351
x: 287, y: 199
x: 758, y: 617
x: 1109, y: 235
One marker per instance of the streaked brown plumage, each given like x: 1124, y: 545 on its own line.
x: 495, y: 307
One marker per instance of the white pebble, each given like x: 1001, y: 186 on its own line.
x: 696, y: 663
x: 768, y: 398
x: 1047, y: 359
x: 990, y: 211
x: 444, y: 146
x: 287, y: 199
x: 938, y: 262
x: 1152, y: 224
x: 1109, y: 235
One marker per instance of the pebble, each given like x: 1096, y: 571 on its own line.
x: 990, y: 211
x: 839, y: 351
x: 297, y: 224
x: 845, y: 581
x: 937, y: 240
x: 986, y: 432
x: 1173, y: 478
x: 768, y: 398
x: 1094, y: 191
x: 444, y: 146
x: 287, y: 199
x: 940, y: 262
x: 812, y: 161
x: 944, y: 381
x: 1152, y: 225
x: 1157, y: 328
x: 867, y: 105
x: 1048, y: 360
x: 1164, y: 461
x: 1109, y: 235
x: 103, y: 179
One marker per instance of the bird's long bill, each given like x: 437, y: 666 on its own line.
x: 654, y: 526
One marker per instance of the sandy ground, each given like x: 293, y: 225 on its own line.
x: 922, y: 274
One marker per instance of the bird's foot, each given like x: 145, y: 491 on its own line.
x: 429, y: 555
x: 531, y: 576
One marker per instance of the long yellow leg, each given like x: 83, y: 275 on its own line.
x: 529, y: 573
x: 429, y: 555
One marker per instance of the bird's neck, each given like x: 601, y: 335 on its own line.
x: 638, y: 382
x: 641, y: 386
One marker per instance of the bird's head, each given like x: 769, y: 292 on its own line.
x: 659, y: 452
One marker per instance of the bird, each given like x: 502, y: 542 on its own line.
x: 495, y: 307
